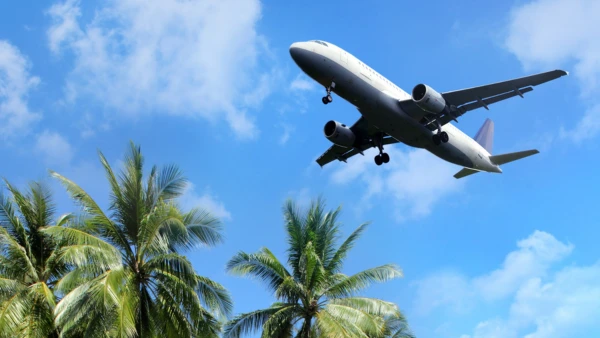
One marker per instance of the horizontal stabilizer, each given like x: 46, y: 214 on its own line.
x: 465, y: 172
x: 510, y: 157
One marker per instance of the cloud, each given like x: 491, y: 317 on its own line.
x: 415, y: 179
x: 547, y: 34
x: 287, y: 132
x: 302, y: 83
x: 208, y: 201
x: 15, y: 85
x: 586, y: 128
x: 541, y: 303
x: 55, y: 149
x: 533, y: 258
x: 64, y: 24
x: 443, y: 289
x: 198, y: 59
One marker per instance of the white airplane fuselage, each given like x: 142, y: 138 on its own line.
x: 377, y: 100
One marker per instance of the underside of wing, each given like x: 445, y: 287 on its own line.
x: 365, y: 134
x: 451, y: 105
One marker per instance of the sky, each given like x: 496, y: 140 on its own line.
x: 211, y: 87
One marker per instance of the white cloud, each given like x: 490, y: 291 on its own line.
x: 415, y: 179
x: 208, y: 201
x: 444, y: 289
x: 302, y: 83
x: 196, y: 59
x: 286, y: 132
x: 55, y: 149
x: 586, y: 128
x: 533, y: 259
x: 15, y: 84
x: 541, y: 303
x: 65, y: 27
x: 548, y: 34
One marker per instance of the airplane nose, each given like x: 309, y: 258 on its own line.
x: 295, y: 50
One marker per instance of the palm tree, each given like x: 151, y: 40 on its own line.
x: 315, y: 289
x: 133, y: 279
x: 30, y: 263
x: 396, y: 327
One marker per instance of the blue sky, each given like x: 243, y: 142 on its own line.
x: 209, y: 85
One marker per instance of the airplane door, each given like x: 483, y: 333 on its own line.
x: 344, y: 57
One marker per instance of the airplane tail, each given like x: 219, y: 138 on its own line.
x: 485, y: 137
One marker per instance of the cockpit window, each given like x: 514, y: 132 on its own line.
x: 320, y: 42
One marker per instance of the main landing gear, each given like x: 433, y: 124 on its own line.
x: 327, y: 99
x: 441, y: 136
x: 382, y: 157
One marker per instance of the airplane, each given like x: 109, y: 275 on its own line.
x: 421, y: 119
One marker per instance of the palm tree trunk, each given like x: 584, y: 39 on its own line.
x: 305, y: 333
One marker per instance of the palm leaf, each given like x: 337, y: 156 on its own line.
x: 363, y: 279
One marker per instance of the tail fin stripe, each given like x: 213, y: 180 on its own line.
x: 485, y: 135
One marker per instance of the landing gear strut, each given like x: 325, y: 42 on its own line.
x: 441, y: 136
x: 327, y: 99
x: 382, y: 157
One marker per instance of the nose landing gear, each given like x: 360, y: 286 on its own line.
x: 328, y: 99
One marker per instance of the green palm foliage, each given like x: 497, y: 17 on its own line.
x: 131, y: 279
x: 396, y: 327
x: 314, y: 298
x: 30, y: 263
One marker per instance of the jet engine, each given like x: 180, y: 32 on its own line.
x: 339, y: 134
x: 428, y: 99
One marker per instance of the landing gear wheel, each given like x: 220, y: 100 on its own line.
x: 325, y: 100
x: 385, y: 157
x: 436, y: 139
x: 444, y: 137
x: 378, y: 160
x: 328, y: 98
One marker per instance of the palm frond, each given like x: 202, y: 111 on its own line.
x: 246, y: 323
x: 369, y: 324
x: 336, y: 261
x: 363, y: 279
x: 98, y: 218
x: 262, y: 264
x: 215, y: 296
x: 335, y: 327
x: 280, y: 323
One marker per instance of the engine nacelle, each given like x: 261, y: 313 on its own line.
x: 428, y: 99
x: 339, y: 134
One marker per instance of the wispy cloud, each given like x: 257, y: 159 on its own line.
x: 207, y: 200
x: 55, y: 149
x: 414, y: 179
x: 16, y: 117
x: 540, y: 303
x: 192, y: 58
x: 302, y: 83
x: 541, y: 44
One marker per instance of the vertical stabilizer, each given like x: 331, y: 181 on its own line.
x: 485, y: 135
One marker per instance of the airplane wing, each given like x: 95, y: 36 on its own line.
x: 364, y: 132
x: 464, y: 100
